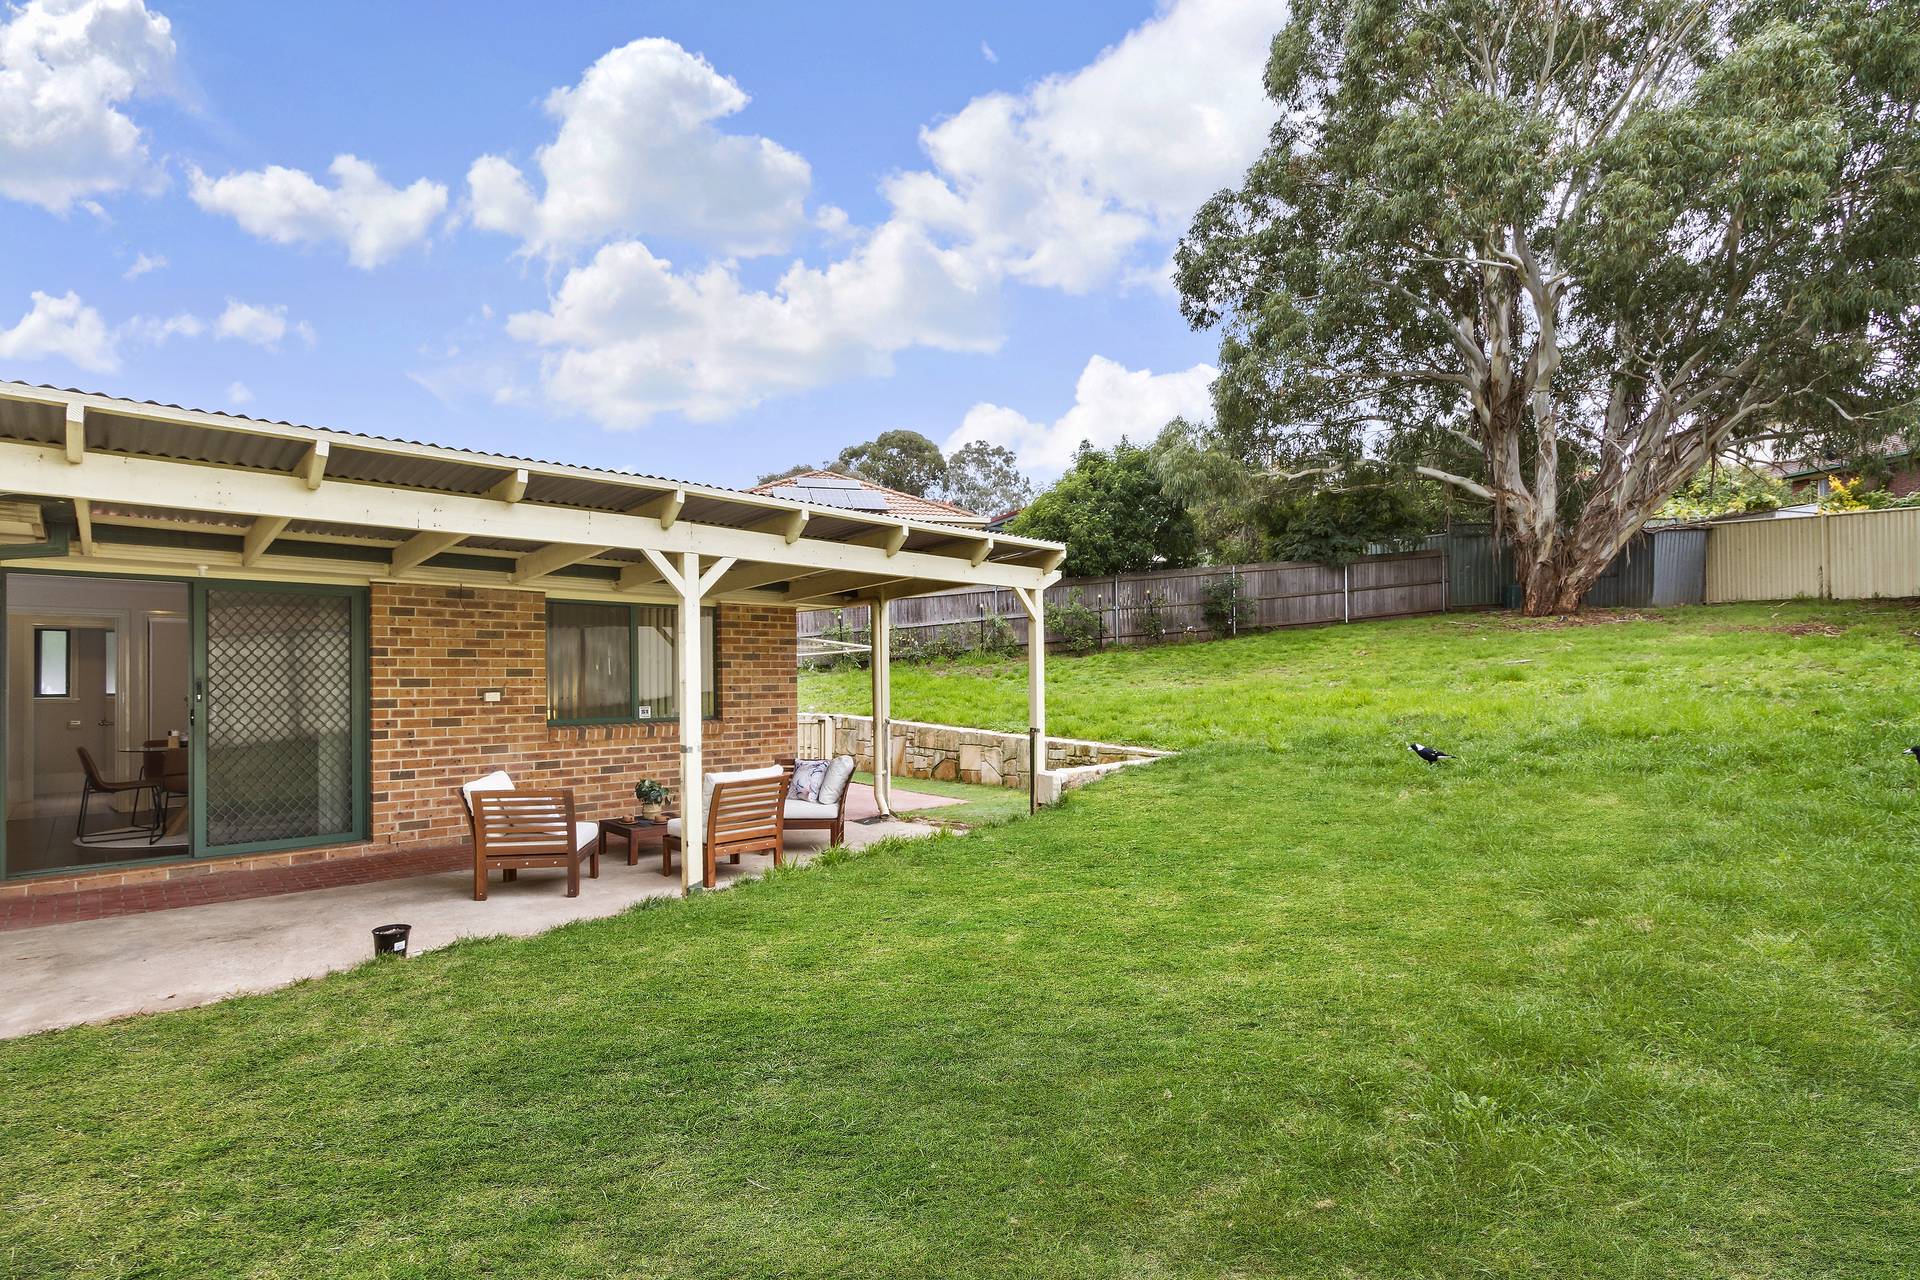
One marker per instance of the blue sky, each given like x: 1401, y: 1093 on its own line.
x: 701, y: 240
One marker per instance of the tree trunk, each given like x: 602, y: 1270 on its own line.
x: 1556, y: 575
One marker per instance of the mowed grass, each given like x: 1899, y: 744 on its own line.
x: 1629, y: 990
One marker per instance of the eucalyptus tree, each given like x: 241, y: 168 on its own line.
x: 1573, y: 250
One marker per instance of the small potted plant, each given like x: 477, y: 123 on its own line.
x: 651, y: 796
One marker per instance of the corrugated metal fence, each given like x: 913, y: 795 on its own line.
x: 1843, y: 555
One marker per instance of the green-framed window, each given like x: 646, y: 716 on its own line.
x: 615, y: 663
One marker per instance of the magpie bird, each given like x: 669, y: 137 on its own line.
x: 1428, y: 754
x: 1912, y: 751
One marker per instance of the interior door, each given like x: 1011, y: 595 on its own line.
x: 279, y: 716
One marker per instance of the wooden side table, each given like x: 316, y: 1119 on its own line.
x: 633, y: 830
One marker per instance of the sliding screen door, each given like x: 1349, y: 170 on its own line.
x: 279, y: 742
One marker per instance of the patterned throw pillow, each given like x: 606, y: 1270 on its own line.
x: 835, y: 782
x: 807, y: 777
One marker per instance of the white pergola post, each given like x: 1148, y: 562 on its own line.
x: 1034, y: 603
x: 693, y: 818
x: 881, y: 668
x: 690, y: 585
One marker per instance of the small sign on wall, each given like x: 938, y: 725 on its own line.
x: 646, y: 713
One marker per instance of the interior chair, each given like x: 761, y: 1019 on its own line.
x: 163, y: 766
x: 96, y: 784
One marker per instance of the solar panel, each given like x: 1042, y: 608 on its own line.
x: 846, y: 494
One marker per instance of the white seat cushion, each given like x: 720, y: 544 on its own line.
x: 673, y: 826
x: 498, y: 780
x: 585, y: 833
x: 808, y: 809
x: 738, y: 775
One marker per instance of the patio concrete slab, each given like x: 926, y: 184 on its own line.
x: 95, y: 970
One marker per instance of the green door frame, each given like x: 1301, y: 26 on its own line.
x: 361, y: 714
x: 362, y: 691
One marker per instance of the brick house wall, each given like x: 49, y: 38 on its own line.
x: 435, y: 649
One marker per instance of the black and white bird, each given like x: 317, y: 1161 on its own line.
x: 1912, y: 751
x: 1429, y: 754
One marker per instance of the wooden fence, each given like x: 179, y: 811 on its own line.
x: 1131, y: 605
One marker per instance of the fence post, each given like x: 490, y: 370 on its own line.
x: 1346, y: 593
x: 1116, y: 609
x: 1826, y: 558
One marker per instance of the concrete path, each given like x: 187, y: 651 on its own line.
x: 93, y: 970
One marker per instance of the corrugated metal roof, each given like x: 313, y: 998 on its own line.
x: 443, y: 469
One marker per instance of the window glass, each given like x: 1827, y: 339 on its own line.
x: 589, y: 662
x: 636, y: 683
x: 52, y: 663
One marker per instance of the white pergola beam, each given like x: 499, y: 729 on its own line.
x: 313, y: 467
x: 638, y: 575
x: 121, y: 479
x: 510, y: 488
x: 260, y: 536
x: 762, y: 575
x: 664, y: 507
x: 888, y: 540
x: 76, y: 433
x: 83, y: 518
x: 538, y: 564
x: 834, y: 584
x: 419, y: 549
x: 788, y: 524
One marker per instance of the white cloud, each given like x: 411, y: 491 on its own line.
x: 986, y: 51
x: 627, y: 337
x: 1110, y: 401
x: 239, y: 393
x: 372, y: 218
x: 144, y: 263
x: 262, y: 324
x: 64, y: 327
x: 637, y: 153
x: 1060, y: 185
x: 156, y: 330
x: 66, y: 69
x: 1083, y: 181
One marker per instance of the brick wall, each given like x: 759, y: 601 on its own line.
x: 434, y: 649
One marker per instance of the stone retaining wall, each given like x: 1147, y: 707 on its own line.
x: 956, y: 754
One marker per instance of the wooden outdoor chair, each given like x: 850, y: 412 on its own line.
x: 745, y: 813
x: 516, y: 829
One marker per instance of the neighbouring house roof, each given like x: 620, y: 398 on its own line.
x: 852, y: 493
x: 1001, y: 521
x: 158, y: 485
x: 1894, y: 452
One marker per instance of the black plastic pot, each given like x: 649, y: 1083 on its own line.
x: 391, y: 939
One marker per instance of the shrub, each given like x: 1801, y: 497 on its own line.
x: 1077, y: 626
x: 1225, y: 606
x: 1153, y: 621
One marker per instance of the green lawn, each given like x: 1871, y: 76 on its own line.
x: 1631, y: 989
x: 980, y: 806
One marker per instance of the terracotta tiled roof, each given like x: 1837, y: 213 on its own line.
x: 907, y: 506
